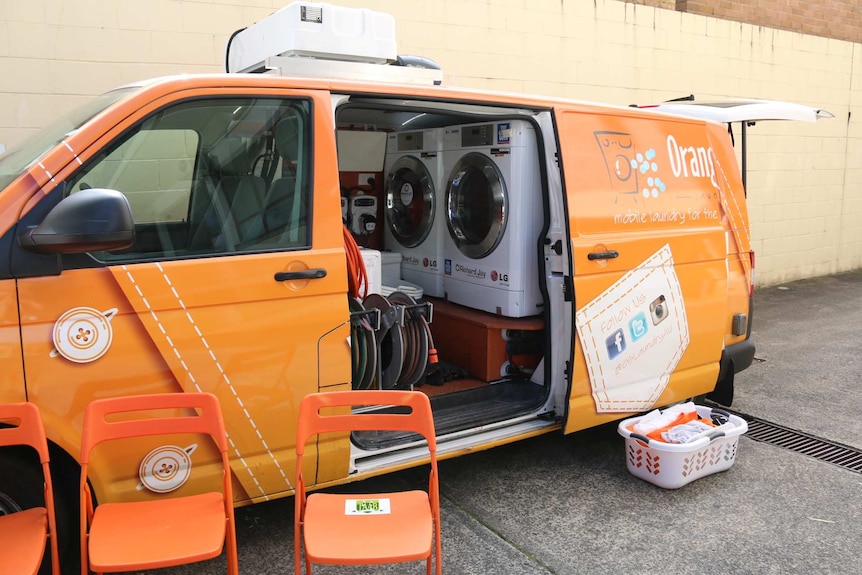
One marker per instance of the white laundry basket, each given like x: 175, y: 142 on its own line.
x: 672, y: 465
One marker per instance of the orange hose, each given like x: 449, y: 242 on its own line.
x: 357, y: 276
x: 432, y: 351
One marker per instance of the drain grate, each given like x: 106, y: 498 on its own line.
x: 804, y: 443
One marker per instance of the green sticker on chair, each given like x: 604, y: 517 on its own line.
x: 367, y: 506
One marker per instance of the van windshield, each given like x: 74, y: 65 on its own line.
x: 17, y: 159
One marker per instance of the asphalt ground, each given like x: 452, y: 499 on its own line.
x: 567, y: 504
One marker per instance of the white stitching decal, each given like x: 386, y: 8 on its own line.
x: 186, y: 368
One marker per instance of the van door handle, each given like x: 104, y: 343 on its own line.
x: 608, y: 255
x: 313, y: 274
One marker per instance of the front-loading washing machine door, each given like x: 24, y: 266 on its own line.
x: 476, y: 205
x: 410, y: 201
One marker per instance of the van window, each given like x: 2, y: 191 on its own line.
x: 154, y: 169
x: 217, y: 176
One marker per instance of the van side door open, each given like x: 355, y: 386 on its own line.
x: 649, y: 256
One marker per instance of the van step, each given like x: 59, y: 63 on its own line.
x: 465, y: 409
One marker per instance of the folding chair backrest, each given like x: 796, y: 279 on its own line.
x: 121, y: 542
x: 97, y: 428
x: 28, y: 430
x: 418, y: 420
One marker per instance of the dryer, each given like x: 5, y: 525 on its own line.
x: 493, y: 217
x: 414, y: 219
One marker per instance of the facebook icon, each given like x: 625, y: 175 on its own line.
x: 616, y: 343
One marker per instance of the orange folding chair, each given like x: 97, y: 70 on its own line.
x: 24, y: 533
x: 370, y: 528
x: 143, y: 535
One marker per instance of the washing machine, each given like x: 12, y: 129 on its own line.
x: 414, y: 218
x: 493, y: 217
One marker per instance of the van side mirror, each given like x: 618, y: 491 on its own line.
x: 87, y: 221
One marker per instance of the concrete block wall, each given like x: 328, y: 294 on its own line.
x: 804, y: 180
x: 155, y: 171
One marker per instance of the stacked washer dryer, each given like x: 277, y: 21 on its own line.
x: 493, y: 216
x: 415, y: 220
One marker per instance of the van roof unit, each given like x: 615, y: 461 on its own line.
x: 326, y: 41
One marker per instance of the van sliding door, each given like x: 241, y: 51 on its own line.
x: 649, y: 261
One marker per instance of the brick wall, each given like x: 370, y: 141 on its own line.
x: 840, y: 19
x: 666, y: 4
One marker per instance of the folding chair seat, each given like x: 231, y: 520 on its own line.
x: 25, y: 533
x: 164, y: 531
x: 370, y: 528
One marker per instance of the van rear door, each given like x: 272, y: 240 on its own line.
x: 741, y: 110
x: 745, y: 111
x: 648, y: 260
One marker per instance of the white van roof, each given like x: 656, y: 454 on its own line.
x: 741, y: 110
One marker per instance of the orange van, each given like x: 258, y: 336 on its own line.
x: 582, y: 263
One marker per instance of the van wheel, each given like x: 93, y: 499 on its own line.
x: 21, y: 488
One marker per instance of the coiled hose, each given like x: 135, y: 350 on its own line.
x: 419, y: 350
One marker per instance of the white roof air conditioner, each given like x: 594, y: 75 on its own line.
x: 314, y: 30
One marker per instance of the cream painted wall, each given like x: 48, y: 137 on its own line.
x: 804, y: 181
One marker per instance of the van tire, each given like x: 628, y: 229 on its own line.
x: 21, y: 488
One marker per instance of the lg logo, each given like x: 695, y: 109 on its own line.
x: 429, y: 263
x: 502, y: 277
